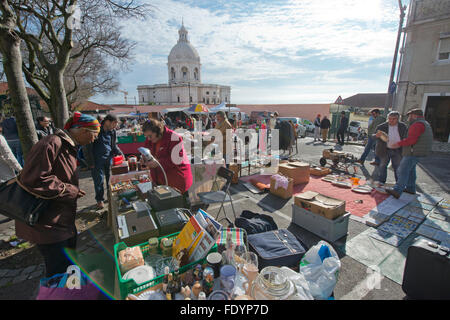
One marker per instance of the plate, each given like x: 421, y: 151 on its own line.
x: 140, y: 274
x: 362, y: 190
x: 342, y: 184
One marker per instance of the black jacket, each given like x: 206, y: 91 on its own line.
x: 325, y: 124
x: 343, y: 124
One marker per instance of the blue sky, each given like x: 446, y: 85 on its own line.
x: 282, y: 51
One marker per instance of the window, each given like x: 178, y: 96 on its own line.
x: 207, y: 92
x: 178, y: 99
x: 184, y: 71
x: 226, y: 99
x: 190, y: 99
x: 204, y: 99
x: 172, y: 73
x: 444, y: 49
x: 196, y: 74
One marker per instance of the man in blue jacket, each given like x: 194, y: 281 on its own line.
x: 98, y: 156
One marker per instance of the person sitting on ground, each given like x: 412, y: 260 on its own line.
x: 51, y: 171
x: 396, y: 131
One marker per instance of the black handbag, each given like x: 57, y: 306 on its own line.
x: 18, y: 203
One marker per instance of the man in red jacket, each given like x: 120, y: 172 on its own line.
x: 416, y: 146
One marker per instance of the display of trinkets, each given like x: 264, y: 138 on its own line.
x: 173, y: 287
x: 208, y: 280
x: 198, y: 275
x: 188, y: 279
x: 119, y: 186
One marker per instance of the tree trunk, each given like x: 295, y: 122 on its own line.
x: 58, y: 99
x: 12, y: 65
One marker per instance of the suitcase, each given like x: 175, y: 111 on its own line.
x: 276, y: 248
x: 427, y: 271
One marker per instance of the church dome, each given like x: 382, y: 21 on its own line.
x: 183, y: 51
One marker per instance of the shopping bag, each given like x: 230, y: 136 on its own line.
x: 72, y: 285
x: 320, y: 267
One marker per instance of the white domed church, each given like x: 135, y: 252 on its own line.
x: 185, y: 86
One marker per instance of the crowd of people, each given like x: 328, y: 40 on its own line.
x: 51, y: 164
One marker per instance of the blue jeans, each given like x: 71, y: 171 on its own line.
x: 369, y: 146
x: 99, y: 172
x: 55, y: 259
x: 16, y: 149
x: 393, y: 155
x: 407, y: 174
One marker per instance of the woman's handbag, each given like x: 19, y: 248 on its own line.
x: 19, y: 203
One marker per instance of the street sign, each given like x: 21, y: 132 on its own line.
x: 339, y: 100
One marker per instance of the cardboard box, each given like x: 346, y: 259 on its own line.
x: 319, y: 171
x: 280, y: 191
x: 298, y: 171
x: 317, y: 203
x: 120, y: 169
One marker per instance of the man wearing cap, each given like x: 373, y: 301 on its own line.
x: 416, y: 145
x: 317, y: 128
x: 372, y: 140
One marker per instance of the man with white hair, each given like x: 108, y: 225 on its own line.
x: 388, y: 134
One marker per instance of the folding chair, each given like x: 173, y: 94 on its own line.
x: 220, y: 195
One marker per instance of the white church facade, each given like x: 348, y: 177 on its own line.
x: 185, y: 86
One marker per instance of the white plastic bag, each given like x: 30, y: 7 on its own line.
x: 300, y: 283
x: 321, y: 276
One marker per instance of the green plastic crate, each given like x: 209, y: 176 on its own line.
x: 129, y: 286
x: 125, y: 139
x: 141, y: 138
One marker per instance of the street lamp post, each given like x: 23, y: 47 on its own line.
x: 394, y: 61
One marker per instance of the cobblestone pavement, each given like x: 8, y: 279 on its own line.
x: 20, y: 272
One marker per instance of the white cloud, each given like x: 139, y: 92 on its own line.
x: 242, y: 41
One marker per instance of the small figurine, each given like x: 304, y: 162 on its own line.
x: 186, y: 292
x: 201, y: 296
x: 196, y: 288
x: 208, y: 280
x: 172, y: 287
x: 182, y: 257
x: 188, y: 279
x: 229, y: 251
x: 198, y: 273
x: 165, y: 278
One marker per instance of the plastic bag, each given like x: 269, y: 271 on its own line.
x: 320, y: 267
x: 301, y: 285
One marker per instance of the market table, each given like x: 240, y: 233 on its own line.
x: 130, y: 148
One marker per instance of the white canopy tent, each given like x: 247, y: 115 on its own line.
x: 223, y: 107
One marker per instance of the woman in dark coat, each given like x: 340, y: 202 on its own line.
x: 50, y: 171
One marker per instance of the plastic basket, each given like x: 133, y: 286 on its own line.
x: 129, y: 286
x: 125, y: 139
x: 141, y: 138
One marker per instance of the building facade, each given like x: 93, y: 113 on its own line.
x: 424, y: 72
x: 185, y: 86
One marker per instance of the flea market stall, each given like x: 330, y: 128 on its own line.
x: 169, y: 247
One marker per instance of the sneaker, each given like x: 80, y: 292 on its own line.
x: 410, y: 192
x: 374, y: 163
x: 100, y: 205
